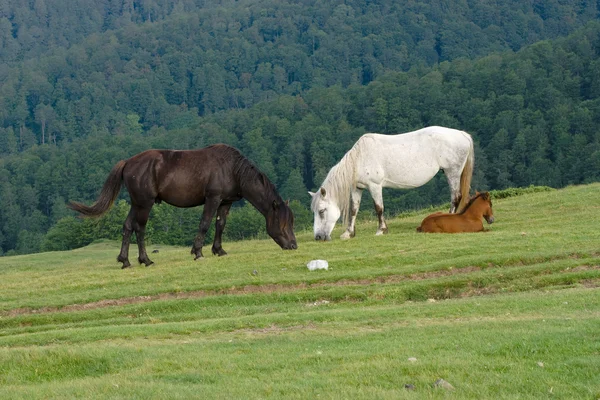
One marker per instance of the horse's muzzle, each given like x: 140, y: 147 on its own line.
x: 290, y: 246
x: 323, y: 238
x: 490, y: 220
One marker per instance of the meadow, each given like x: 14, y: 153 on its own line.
x: 513, y: 312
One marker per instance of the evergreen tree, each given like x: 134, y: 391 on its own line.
x: 294, y: 188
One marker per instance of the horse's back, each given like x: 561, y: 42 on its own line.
x: 435, y: 224
x: 211, y: 158
x: 429, y: 131
x: 180, y: 177
x: 434, y: 140
x: 410, y: 159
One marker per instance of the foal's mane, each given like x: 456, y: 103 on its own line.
x: 471, y: 201
x: 341, y: 179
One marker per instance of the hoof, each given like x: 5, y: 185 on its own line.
x: 125, y: 261
x: 198, y: 257
x: 146, y: 261
x: 219, y: 252
x: 346, y: 235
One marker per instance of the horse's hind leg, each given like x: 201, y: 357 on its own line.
x: 139, y: 226
x: 354, y: 206
x: 454, y: 183
x: 127, y: 230
x: 376, y: 193
x: 222, y: 213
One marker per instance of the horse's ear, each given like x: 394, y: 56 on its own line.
x: 476, y: 193
x: 323, y: 191
x: 287, y: 202
x: 311, y: 193
x: 485, y: 195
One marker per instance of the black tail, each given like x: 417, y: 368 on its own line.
x: 109, y: 193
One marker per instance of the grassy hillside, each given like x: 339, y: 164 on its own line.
x: 509, y: 313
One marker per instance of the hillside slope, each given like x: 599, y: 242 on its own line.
x: 512, y: 312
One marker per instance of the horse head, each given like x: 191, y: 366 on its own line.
x: 280, y: 225
x: 326, y: 211
x: 488, y: 214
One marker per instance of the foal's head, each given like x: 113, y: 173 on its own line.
x: 483, y: 204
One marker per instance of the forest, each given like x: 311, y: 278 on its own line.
x: 292, y: 85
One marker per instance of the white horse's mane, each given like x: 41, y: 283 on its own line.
x: 341, y: 180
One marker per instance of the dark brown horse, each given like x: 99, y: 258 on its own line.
x: 469, y: 220
x: 215, y: 176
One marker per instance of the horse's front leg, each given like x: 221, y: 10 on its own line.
x: 210, y: 207
x: 376, y: 193
x: 354, y: 206
x: 222, y: 213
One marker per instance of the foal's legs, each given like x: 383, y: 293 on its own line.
x: 210, y: 207
x: 354, y: 206
x: 222, y: 213
x: 453, y: 177
x: 378, y: 202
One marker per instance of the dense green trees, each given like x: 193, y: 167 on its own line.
x: 293, y: 85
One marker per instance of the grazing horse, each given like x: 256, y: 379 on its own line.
x: 402, y: 161
x: 215, y: 176
x: 469, y: 220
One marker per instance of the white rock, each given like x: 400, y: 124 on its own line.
x: 317, y: 264
x: 318, y: 303
x: 443, y: 384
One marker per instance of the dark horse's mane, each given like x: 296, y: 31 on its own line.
x: 247, y: 172
x: 471, y: 201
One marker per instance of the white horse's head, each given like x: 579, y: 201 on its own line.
x: 327, y: 212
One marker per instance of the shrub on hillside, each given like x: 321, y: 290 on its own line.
x: 511, y: 192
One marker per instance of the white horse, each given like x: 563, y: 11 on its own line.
x: 404, y: 161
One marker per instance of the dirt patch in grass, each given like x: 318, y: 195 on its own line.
x: 590, y: 283
x: 583, y: 268
x: 275, y: 329
x: 473, y: 291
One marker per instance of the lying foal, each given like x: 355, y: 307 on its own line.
x: 469, y: 220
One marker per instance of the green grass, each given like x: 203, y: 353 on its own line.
x: 478, y: 310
